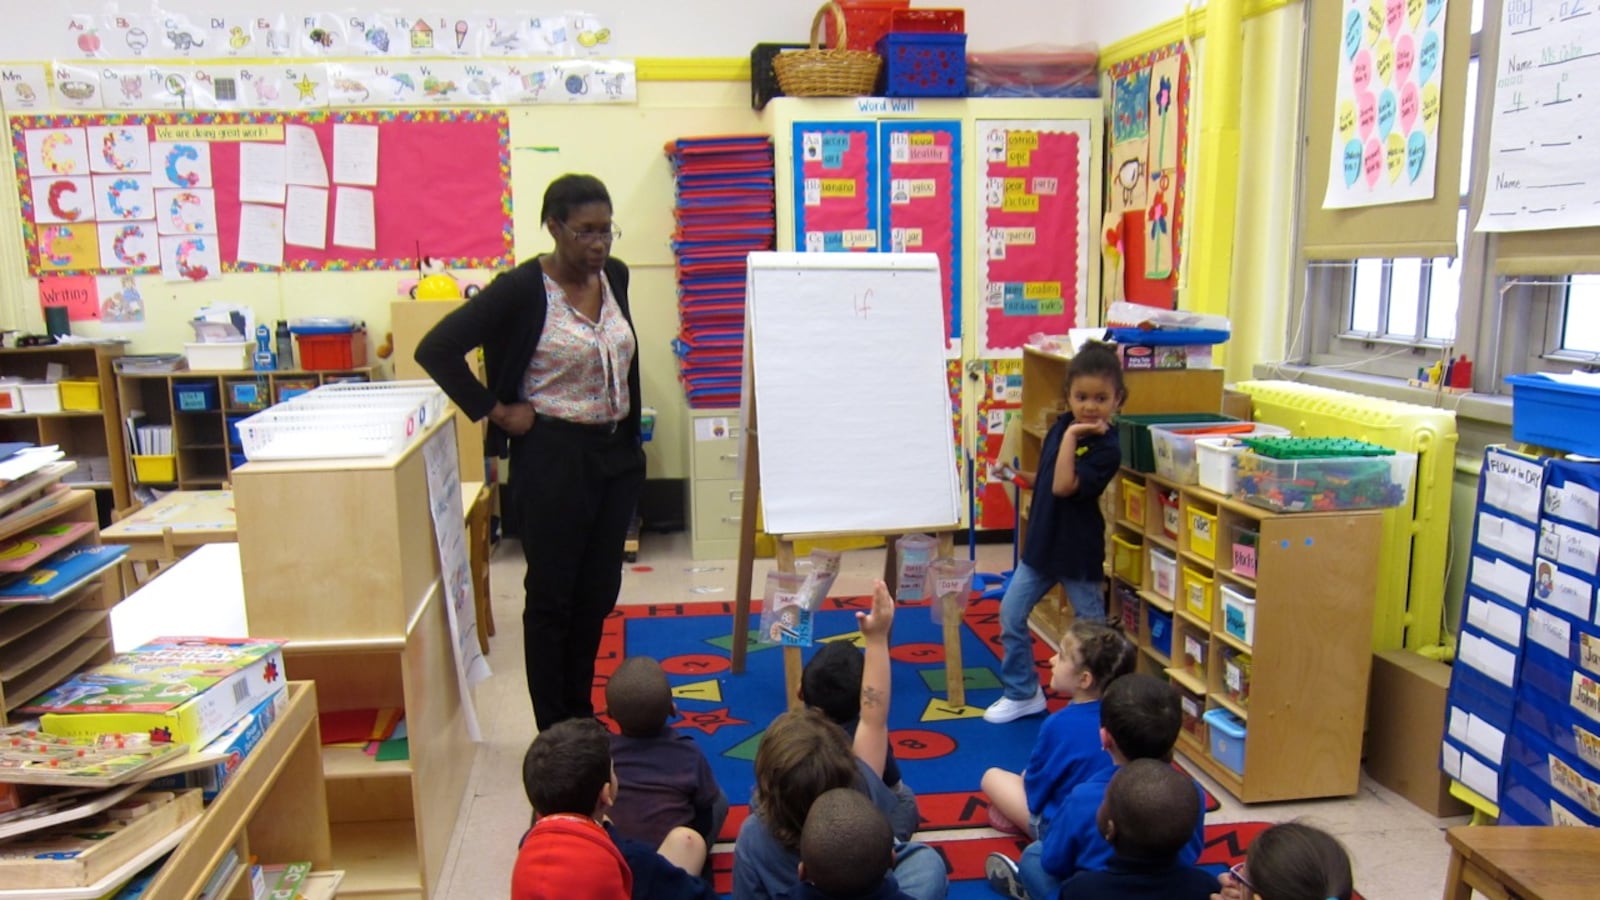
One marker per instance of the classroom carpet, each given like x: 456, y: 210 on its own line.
x: 942, y: 750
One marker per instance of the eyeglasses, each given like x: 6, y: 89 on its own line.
x: 1237, y: 871
x: 593, y: 237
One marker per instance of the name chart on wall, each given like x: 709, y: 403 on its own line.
x: 455, y: 567
x: 1544, y: 151
x: 1386, y: 107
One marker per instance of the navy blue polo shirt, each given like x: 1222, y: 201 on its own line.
x: 1067, y: 535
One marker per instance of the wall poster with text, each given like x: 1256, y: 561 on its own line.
x: 835, y: 180
x: 921, y: 202
x: 1034, y: 227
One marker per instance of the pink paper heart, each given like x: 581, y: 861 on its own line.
x: 1405, y: 58
x: 1361, y: 70
x: 1410, y: 105
x: 1366, y: 113
x: 1372, y: 163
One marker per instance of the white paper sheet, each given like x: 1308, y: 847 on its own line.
x: 354, y: 221
x: 1501, y: 578
x: 181, y: 164
x: 191, y: 258
x: 355, y: 154
x: 261, y: 234
x: 1550, y: 631
x: 1508, y: 537
x: 261, y: 173
x: 305, y: 217
x: 1511, y: 483
x: 1489, y: 658
x: 1495, y: 620
x: 1486, y: 739
x: 1573, y: 502
x: 186, y: 211
x: 304, y: 163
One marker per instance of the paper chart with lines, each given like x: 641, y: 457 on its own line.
x: 1544, y: 160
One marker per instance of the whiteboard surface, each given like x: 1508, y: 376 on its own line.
x: 853, y: 405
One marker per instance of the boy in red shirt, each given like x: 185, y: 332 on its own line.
x: 568, y: 856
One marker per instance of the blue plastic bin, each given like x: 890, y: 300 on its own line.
x: 1553, y: 414
x: 1227, y: 739
x: 1160, y: 631
x: 233, y: 430
x: 924, y: 64
x: 195, y: 396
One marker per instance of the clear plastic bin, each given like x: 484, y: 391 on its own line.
x: 1163, y: 573
x: 1175, y: 447
x: 1228, y: 734
x: 1238, y: 613
x: 1128, y: 602
x: 1192, y: 653
x: 1193, y: 707
x: 1236, y: 667
x: 1035, y: 71
x: 1307, y: 485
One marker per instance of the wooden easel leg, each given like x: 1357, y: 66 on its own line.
x: 791, y: 655
x: 747, y: 544
x: 955, y: 679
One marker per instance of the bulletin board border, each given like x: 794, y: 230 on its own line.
x: 19, y: 124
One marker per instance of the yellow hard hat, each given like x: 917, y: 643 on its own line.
x: 437, y: 287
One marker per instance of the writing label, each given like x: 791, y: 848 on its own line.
x: 1016, y: 187
x: 1042, y: 290
x: 1588, y: 745
x: 1046, y: 187
x: 231, y: 133
x: 1020, y: 203
x: 1019, y: 159
x: 1015, y: 306
x: 837, y: 143
x: 920, y: 139
x: 860, y: 239
x: 912, y: 237
x: 1585, y: 696
x: 1022, y: 140
x: 1589, y: 653
x: 916, y: 154
x: 1021, y: 236
x: 838, y: 187
x: 923, y: 188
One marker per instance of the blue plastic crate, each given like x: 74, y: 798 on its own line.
x: 924, y: 64
x: 195, y: 396
x: 1553, y: 414
x: 1227, y: 732
x: 1160, y: 631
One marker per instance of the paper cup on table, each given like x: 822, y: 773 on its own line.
x: 951, y: 583
x: 914, y: 552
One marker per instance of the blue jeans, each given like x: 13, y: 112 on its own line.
x: 1039, y: 884
x: 920, y: 871
x: 1028, y: 586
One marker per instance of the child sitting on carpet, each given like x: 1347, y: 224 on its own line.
x: 846, y: 851
x: 1291, y: 862
x: 571, y: 852
x: 1067, y: 749
x: 1148, y: 815
x: 665, y: 778
x: 831, y: 683
x: 1139, y: 719
x: 803, y: 756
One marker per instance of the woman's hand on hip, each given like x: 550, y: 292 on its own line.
x: 515, y: 419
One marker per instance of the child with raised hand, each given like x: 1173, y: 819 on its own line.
x: 831, y: 682
x: 665, y: 777
x: 1148, y: 816
x: 846, y: 851
x: 1068, y: 749
x: 1065, y: 543
x: 1291, y: 861
x: 802, y: 756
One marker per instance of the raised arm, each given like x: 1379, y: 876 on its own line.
x: 872, y: 731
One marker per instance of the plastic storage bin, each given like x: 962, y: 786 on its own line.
x: 866, y: 21
x: 947, y: 21
x: 249, y: 395
x: 1163, y: 573
x: 924, y: 64
x: 1175, y: 446
x: 1227, y: 733
x: 1202, y: 529
x: 155, y: 469
x: 1193, y: 707
x: 1128, y: 603
x: 42, y: 397
x: 1242, y: 543
x: 80, y: 394
x: 1127, y: 559
x: 229, y: 356
x: 1171, y: 518
x: 1133, y: 432
x: 233, y: 431
x: 1160, y: 631
x: 332, y: 351
x: 1322, y: 474
x: 1131, y: 493
x: 1236, y: 675
x: 1029, y: 72
x: 1192, y: 653
x: 1198, y: 591
x: 1554, y: 414
x: 194, y: 396
x: 1238, y: 613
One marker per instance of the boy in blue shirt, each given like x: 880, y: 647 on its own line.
x: 1139, y: 719
x: 1147, y: 817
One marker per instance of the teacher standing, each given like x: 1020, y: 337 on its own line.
x: 563, y: 397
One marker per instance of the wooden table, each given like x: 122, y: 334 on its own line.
x: 182, y: 521
x: 1529, y: 863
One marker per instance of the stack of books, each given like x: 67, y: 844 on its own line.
x: 725, y: 211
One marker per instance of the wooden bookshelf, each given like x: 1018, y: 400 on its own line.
x: 82, y: 434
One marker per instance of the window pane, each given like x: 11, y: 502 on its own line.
x: 1366, y: 296
x: 1405, y: 288
x: 1444, y: 290
x: 1580, y: 329
x: 1467, y: 125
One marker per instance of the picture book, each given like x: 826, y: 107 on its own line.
x: 61, y: 807
x: 59, y: 575
x: 19, y: 553
x: 181, y: 690
x: 82, y: 853
x: 27, y: 489
x: 218, y: 762
x: 280, y: 881
x: 28, y: 756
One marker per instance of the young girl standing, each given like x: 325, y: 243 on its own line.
x: 1066, y: 533
x: 1068, y: 747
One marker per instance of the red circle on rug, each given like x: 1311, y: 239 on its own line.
x: 695, y: 664
x: 918, y: 653
x: 914, y: 743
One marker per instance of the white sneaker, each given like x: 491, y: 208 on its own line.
x: 1001, y: 873
x: 1008, y: 710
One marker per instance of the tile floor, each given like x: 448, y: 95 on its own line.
x: 1399, y: 851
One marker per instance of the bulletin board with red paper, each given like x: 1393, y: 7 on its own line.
x: 1034, y: 220
x: 836, y: 182
x: 1145, y: 174
x: 1000, y: 400
x: 921, y: 200
x: 192, y: 195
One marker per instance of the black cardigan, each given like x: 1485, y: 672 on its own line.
x: 506, y: 319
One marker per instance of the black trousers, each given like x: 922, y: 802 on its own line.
x: 576, y: 488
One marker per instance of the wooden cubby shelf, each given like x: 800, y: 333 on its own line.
x: 83, y: 434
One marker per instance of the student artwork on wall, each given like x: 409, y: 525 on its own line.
x: 836, y: 180
x: 1386, y: 106
x: 921, y: 202
x: 194, y: 195
x: 999, y: 402
x: 1034, y: 223
x: 1543, y: 171
x: 1146, y: 177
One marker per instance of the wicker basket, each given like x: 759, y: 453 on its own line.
x: 827, y: 73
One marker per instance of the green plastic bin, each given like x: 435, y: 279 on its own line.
x: 1138, y: 453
